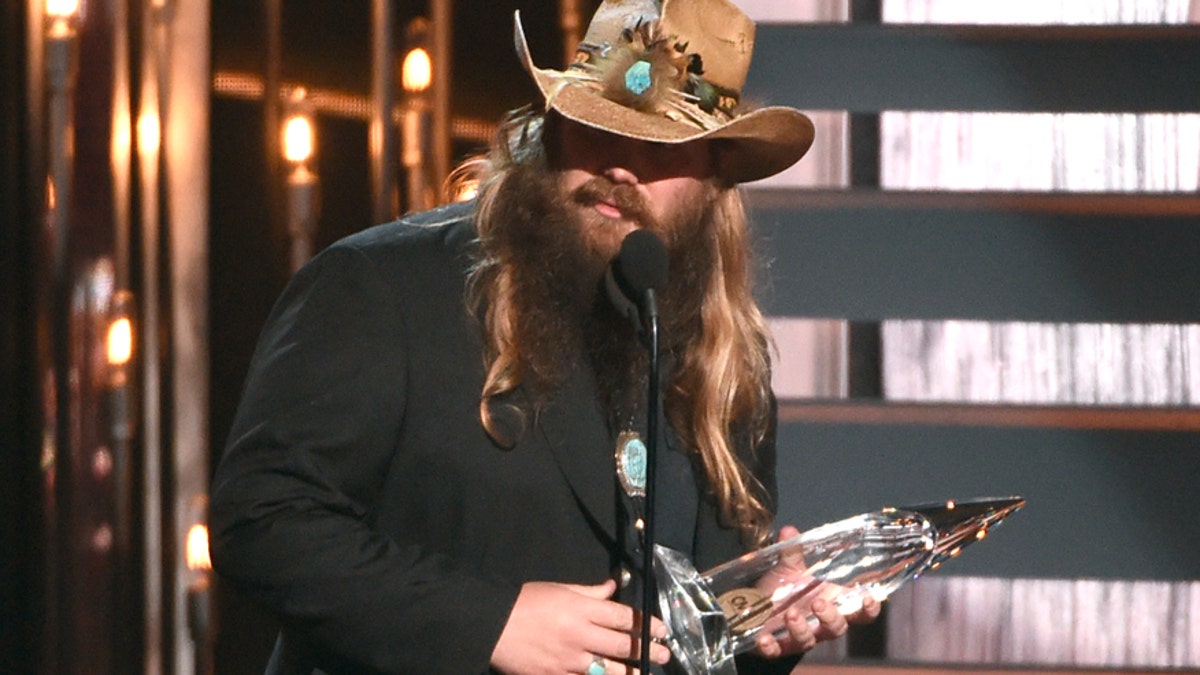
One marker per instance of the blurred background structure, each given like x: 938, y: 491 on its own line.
x: 982, y: 281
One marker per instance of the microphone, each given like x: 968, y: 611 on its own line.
x: 639, y: 270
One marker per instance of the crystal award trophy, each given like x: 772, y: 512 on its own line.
x: 715, y: 615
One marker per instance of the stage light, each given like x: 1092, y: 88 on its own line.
x: 63, y: 10
x: 198, y: 559
x: 298, y: 138
x: 61, y: 18
x: 149, y: 135
x: 416, y: 80
x: 199, y: 590
x: 416, y: 72
x: 119, y: 343
x: 303, y: 183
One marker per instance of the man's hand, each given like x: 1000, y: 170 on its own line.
x: 818, y: 602
x: 562, y: 628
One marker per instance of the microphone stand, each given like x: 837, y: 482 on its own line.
x: 652, y: 409
x: 644, y: 254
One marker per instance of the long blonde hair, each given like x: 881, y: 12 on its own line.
x: 719, y: 392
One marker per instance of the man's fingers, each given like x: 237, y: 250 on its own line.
x: 868, y: 613
x: 800, y: 635
x: 792, y: 561
x: 833, y: 624
x: 621, y: 626
x: 601, y: 591
x: 622, y: 637
x: 626, y: 647
x: 615, y: 616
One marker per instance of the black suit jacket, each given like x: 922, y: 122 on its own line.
x: 359, y: 497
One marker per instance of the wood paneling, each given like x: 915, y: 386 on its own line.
x: 1055, y: 622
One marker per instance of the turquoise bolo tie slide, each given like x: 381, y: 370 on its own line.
x: 631, y: 460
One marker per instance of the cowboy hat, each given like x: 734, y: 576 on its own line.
x: 672, y: 72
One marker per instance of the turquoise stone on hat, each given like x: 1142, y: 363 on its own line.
x: 631, y: 463
x: 637, y: 78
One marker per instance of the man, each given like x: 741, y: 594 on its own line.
x: 428, y: 474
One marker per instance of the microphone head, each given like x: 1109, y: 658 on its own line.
x: 641, y: 265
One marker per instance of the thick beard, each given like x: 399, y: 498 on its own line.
x: 562, y: 308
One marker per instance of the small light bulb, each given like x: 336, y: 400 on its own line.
x: 197, y: 548
x: 416, y: 73
x: 149, y: 134
x: 119, y: 342
x: 298, y: 139
x: 62, y: 9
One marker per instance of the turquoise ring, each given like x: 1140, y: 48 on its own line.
x: 597, y: 667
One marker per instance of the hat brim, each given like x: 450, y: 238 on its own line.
x: 755, y: 145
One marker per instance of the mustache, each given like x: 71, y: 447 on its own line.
x: 625, y: 197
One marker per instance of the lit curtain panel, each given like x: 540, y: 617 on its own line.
x: 1076, y: 152
x: 1048, y: 622
x: 811, y: 357
x: 1067, y: 152
x: 1079, y: 152
x: 825, y: 165
x: 1042, y: 363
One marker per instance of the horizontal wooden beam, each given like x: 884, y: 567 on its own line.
x: 990, y: 415
x: 875, y: 67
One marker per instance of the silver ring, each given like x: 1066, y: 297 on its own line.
x: 597, y: 667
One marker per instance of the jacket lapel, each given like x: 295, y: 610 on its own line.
x: 577, y: 435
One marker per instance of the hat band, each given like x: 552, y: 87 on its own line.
x: 653, y: 74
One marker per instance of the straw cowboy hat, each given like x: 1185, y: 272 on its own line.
x: 672, y: 72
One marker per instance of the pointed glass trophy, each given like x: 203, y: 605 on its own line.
x: 715, y: 615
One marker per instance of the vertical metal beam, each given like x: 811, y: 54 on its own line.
x: 272, y: 82
x: 383, y: 145
x: 442, y: 17
x: 186, y: 166
x: 45, y: 651
x: 866, y: 11
x: 19, y: 526
x: 148, y: 134
x: 121, y: 380
x: 864, y: 150
x: 864, y: 127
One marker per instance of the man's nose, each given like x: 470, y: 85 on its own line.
x: 626, y: 161
x: 622, y: 172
